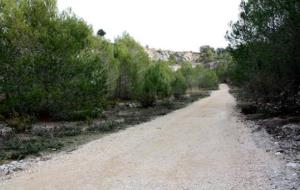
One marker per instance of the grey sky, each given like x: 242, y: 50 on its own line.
x: 164, y: 24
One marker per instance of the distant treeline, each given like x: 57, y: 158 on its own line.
x: 265, y: 45
x: 53, y: 66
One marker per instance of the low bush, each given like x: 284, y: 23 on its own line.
x: 179, y: 85
x: 199, y: 77
x: 106, y: 126
x: 52, y: 67
x: 69, y: 131
x: 208, y: 80
x: 169, y: 104
x: 17, y: 148
x: 157, y: 84
x: 19, y: 123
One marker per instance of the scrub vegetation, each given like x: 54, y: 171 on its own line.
x: 55, y: 68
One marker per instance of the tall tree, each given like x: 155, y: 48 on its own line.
x: 132, y: 63
x: 42, y: 69
x: 266, y: 48
x: 207, y: 54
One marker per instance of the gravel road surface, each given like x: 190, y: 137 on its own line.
x: 201, y: 147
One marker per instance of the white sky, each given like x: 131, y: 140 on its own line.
x: 162, y: 24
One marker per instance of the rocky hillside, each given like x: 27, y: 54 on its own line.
x: 166, y: 55
x: 178, y: 57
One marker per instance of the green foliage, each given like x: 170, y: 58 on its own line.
x: 23, y: 147
x: 265, y: 47
x: 172, y: 59
x: 52, y: 66
x: 179, y: 85
x: 48, y: 66
x: 207, y: 54
x: 132, y: 63
x: 207, y: 79
x: 225, y: 65
x: 199, y: 76
x: 20, y: 123
x: 188, y: 73
x: 157, y: 83
x: 107, y: 126
x: 69, y: 131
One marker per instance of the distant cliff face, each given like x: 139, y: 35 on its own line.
x: 179, y: 57
x: 167, y: 55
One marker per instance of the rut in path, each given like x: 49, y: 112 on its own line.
x: 202, y: 146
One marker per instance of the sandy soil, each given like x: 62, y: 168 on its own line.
x: 203, y: 146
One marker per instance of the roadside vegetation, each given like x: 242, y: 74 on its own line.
x: 264, y: 69
x: 265, y: 46
x: 54, y: 68
x: 47, y: 137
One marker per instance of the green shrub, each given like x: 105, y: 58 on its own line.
x: 225, y: 66
x: 199, y: 76
x: 208, y: 80
x: 167, y: 104
x: 19, y: 123
x: 179, y: 85
x: 132, y: 61
x: 50, y: 62
x: 188, y: 73
x: 207, y: 54
x: 20, y: 148
x: 106, y: 126
x: 69, y: 131
x: 53, y: 67
x: 265, y: 50
x: 157, y: 83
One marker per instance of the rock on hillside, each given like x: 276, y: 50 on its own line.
x: 166, y: 55
x: 178, y: 57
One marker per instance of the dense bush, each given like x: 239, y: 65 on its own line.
x: 188, y: 73
x: 265, y: 46
x: 225, y: 65
x: 157, y: 83
x: 199, y: 77
x: 107, y: 126
x: 48, y: 67
x: 207, y: 54
x: 179, y: 85
x: 53, y: 67
x: 206, y: 79
x: 17, y: 148
x: 132, y: 61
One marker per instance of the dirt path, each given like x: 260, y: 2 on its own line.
x: 202, y: 146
